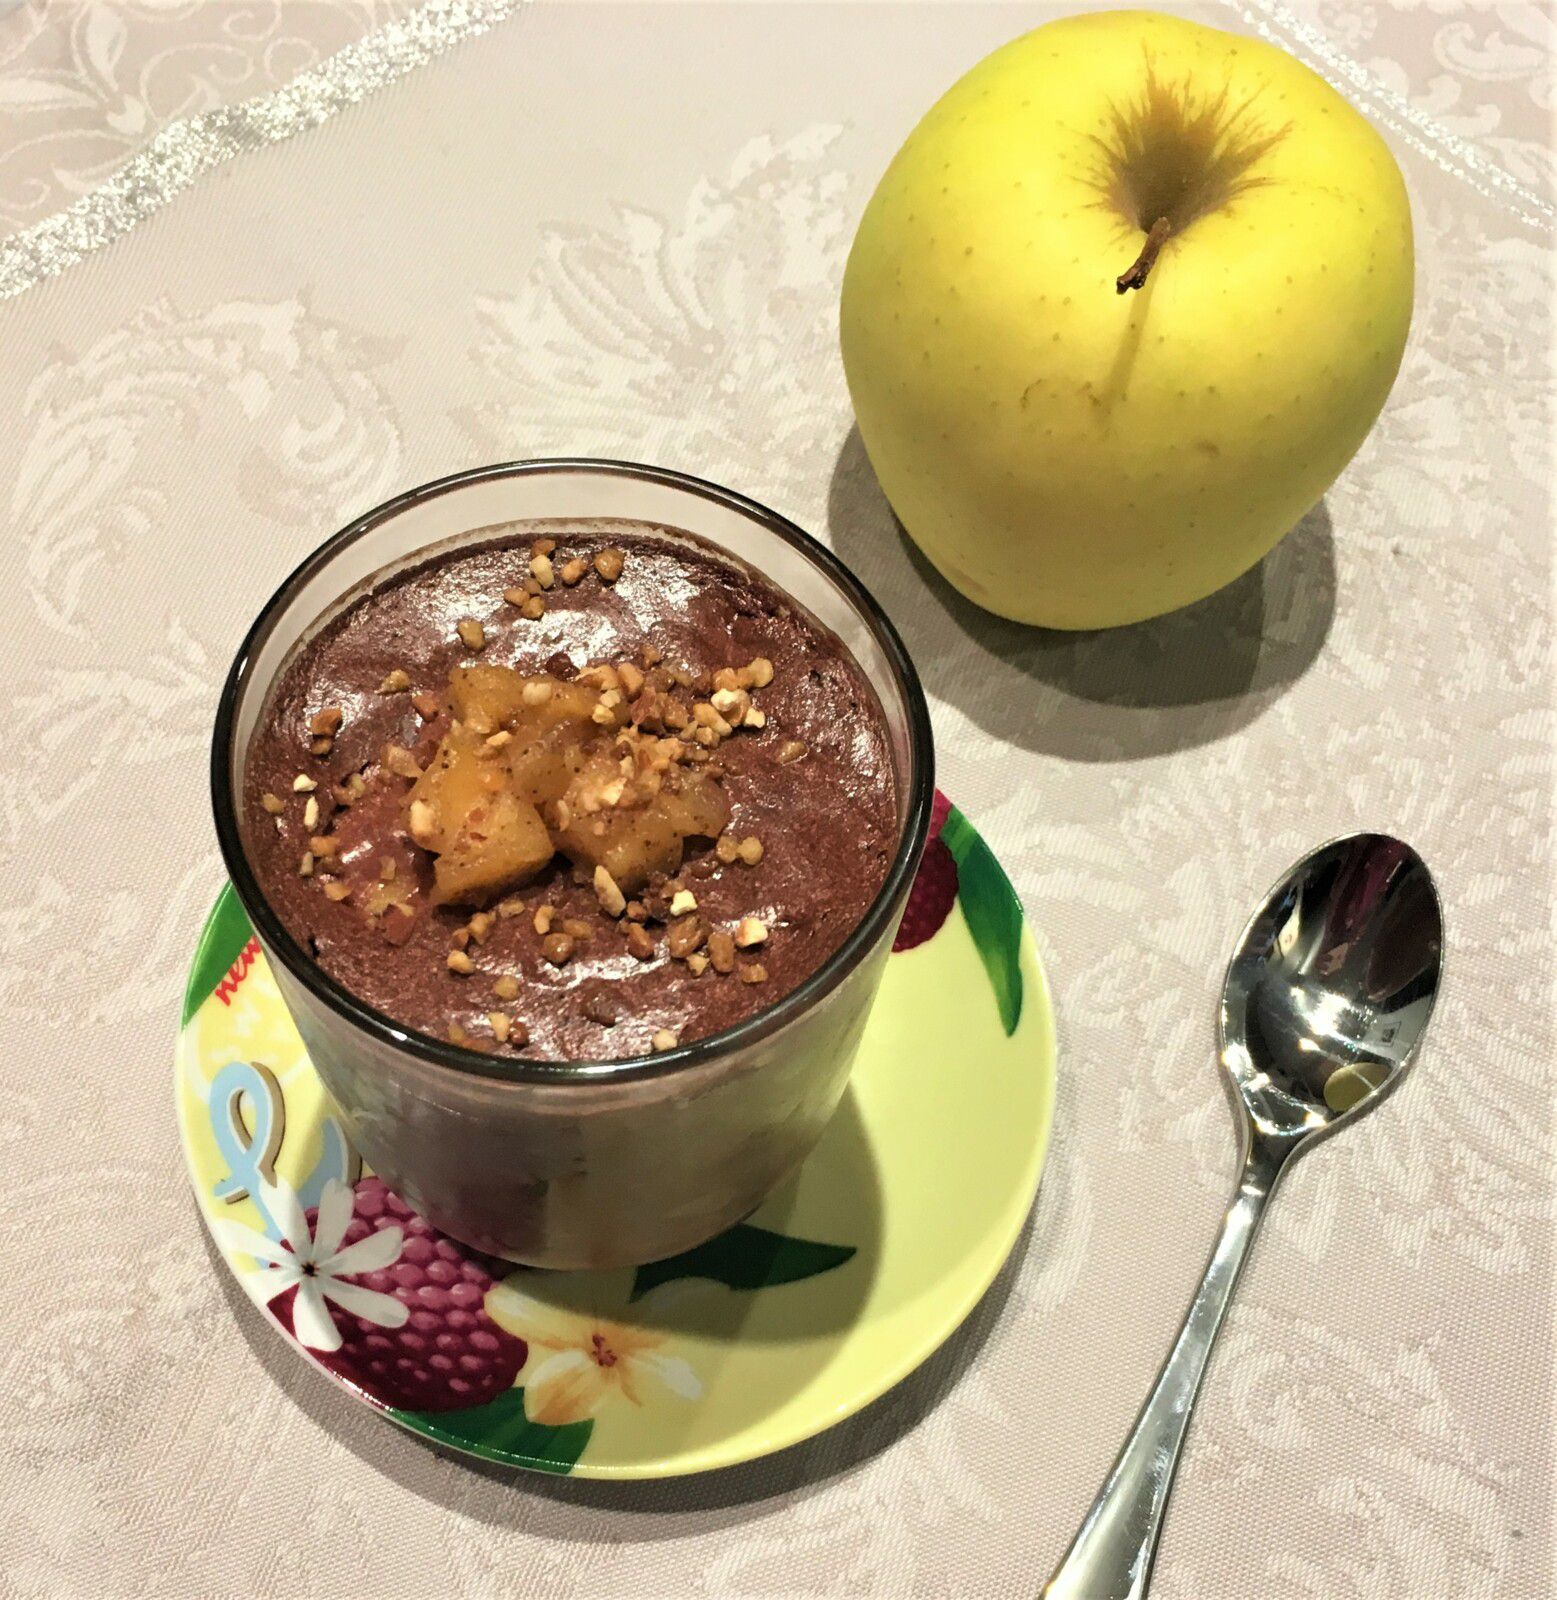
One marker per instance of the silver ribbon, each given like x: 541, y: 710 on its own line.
x: 184, y: 150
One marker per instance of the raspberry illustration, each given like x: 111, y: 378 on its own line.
x: 409, y: 1326
x: 935, y: 884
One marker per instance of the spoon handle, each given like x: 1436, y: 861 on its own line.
x: 1111, y: 1557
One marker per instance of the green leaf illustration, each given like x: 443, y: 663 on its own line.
x: 500, y: 1431
x: 226, y: 932
x: 745, y: 1257
x: 993, y: 913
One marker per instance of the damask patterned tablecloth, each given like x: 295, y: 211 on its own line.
x: 619, y: 230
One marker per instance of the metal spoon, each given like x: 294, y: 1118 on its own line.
x: 1324, y: 1006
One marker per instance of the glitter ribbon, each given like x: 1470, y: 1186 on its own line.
x: 184, y: 150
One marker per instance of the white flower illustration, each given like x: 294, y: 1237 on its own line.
x: 317, y: 1266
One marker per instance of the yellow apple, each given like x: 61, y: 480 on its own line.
x: 1121, y: 308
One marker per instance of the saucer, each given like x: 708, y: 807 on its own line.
x: 837, y: 1287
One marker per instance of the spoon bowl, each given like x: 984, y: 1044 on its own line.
x: 1331, y: 988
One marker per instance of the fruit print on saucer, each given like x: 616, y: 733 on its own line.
x: 381, y: 1297
x: 958, y: 868
x: 761, y: 1337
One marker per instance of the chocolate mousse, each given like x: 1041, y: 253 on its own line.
x: 578, y: 791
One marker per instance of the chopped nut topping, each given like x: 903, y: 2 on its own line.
x: 273, y: 804
x: 750, y: 850
x: 460, y: 938
x: 664, y: 1039
x: 686, y: 936
x: 457, y: 1034
x: 322, y: 844
x: 427, y: 706
x: 630, y: 678
x: 499, y: 740
x: 637, y: 911
x: 640, y: 946
x: 536, y: 692
x: 599, y: 1009
x: 609, y: 563
x: 731, y: 702
x: 400, y: 761
x: 727, y: 679
x: 542, y: 571
x: 311, y: 813
x: 542, y: 546
x: 706, y: 714
x: 557, y: 948
x: 321, y: 746
x: 612, y: 901
x: 681, y: 902
x: 753, y: 972
x: 501, y: 1024
x: 752, y: 930
x: 396, y: 682
x: 480, y: 926
x: 754, y: 718
x: 577, y: 929
x: 760, y: 673
x: 336, y: 890
x: 472, y: 635
x: 650, y: 655
x: 573, y: 570
x: 351, y: 791
x: 721, y: 950
x: 544, y: 916
x: 506, y: 987
x: 727, y: 849
x: 326, y: 724
x: 533, y: 609
x: 305, y: 867
x: 697, y: 963
x: 516, y: 596
x: 423, y: 822
x: 303, y: 784
x: 790, y: 750
x: 513, y: 906
x: 461, y: 963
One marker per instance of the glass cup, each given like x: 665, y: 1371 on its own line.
x: 570, y: 1164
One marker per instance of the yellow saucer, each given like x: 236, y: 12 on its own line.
x: 835, y: 1289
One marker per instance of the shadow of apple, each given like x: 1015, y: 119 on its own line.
x: 1118, y: 694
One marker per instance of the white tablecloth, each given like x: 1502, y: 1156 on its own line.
x: 604, y: 229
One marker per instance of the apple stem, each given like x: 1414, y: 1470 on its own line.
x: 1135, y: 276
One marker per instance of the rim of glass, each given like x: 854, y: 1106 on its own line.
x: 455, y: 1058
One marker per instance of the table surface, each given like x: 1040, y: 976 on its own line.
x: 619, y: 230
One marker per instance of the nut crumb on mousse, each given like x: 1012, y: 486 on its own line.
x: 599, y: 835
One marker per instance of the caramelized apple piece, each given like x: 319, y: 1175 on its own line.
x: 697, y: 806
x: 460, y: 777
x: 546, y: 768
x: 491, y: 698
x: 500, y: 845
x: 634, y: 843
